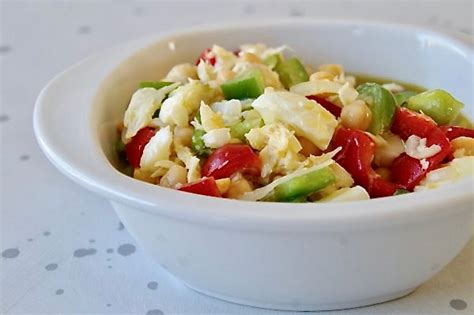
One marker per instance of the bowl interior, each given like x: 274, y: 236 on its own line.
x: 401, y: 53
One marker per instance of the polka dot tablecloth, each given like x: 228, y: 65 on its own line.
x: 63, y: 250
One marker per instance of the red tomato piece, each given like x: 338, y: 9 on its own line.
x: 134, y: 149
x: 356, y: 157
x: 453, y: 132
x: 406, y: 123
x: 207, y: 56
x: 206, y: 186
x: 408, y: 171
x: 328, y: 105
x: 230, y: 159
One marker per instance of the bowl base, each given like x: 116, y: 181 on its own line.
x: 305, y: 307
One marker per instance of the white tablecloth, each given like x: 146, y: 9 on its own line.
x: 63, y: 250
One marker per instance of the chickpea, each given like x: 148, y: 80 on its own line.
x: 356, y: 115
x: 174, y: 176
x: 308, y: 147
x: 250, y: 57
x: 386, y: 152
x: 238, y: 186
x: 143, y: 176
x: 321, y: 75
x: 384, y: 173
x: 334, y: 69
x: 181, y: 73
x: 225, y: 75
x: 120, y: 127
x: 463, y: 146
x: 183, y: 135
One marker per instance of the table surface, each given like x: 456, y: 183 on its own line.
x: 63, y: 249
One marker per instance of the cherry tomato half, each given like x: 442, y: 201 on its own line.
x: 134, y: 149
x: 230, y: 159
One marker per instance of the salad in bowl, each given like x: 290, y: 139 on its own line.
x: 258, y: 124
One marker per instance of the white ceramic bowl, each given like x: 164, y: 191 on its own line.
x: 275, y: 255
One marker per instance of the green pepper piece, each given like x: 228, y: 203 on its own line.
x: 238, y: 130
x: 304, y: 185
x: 153, y: 84
x: 273, y: 60
x: 128, y: 170
x: 438, y: 104
x: 120, y: 149
x: 301, y: 199
x: 382, y: 104
x: 248, y: 85
x: 291, y: 72
x: 400, y: 191
x: 462, y: 121
x: 402, y: 97
x: 197, y: 143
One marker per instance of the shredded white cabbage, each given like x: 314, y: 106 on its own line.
x: 183, y: 101
x: 216, y: 138
x: 143, y: 104
x: 191, y: 162
x: 454, y: 170
x: 230, y: 111
x: 305, y: 117
x: 260, y: 193
x: 417, y: 149
x: 347, y: 194
x: 209, y: 119
x: 157, y: 149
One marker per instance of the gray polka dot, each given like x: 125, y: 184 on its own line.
x: 83, y: 213
x: 4, y: 118
x: 84, y: 29
x: 5, y: 49
x: 59, y: 291
x: 154, y: 312
x: 10, y: 253
x: 46, y: 233
x: 296, y: 12
x: 109, y: 259
x: 152, y: 285
x: 92, y: 240
x: 120, y: 226
x: 109, y: 305
x: 249, y: 9
x: 24, y: 157
x: 138, y: 11
x: 30, y: 240
x: 82, y: 252
x: 109, y: 266
x: 110, y: 250
x: 458, y: 304
x: 126, y: 249
x: 51, y: 267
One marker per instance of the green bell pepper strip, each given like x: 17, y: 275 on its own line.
x: 304, y: 185
x: 438, y: 104
x: 120, y: 149
x: 248, y: 85
x: 291, y: 72
x: 382, y: 104
x: 402, y: 97
x: 197, y: 143
x: 153, y: 84
x: 238, y: 130
x: 400, y: 191
x: 273, y: 60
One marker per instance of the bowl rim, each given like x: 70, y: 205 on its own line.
x: 171, y: 203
